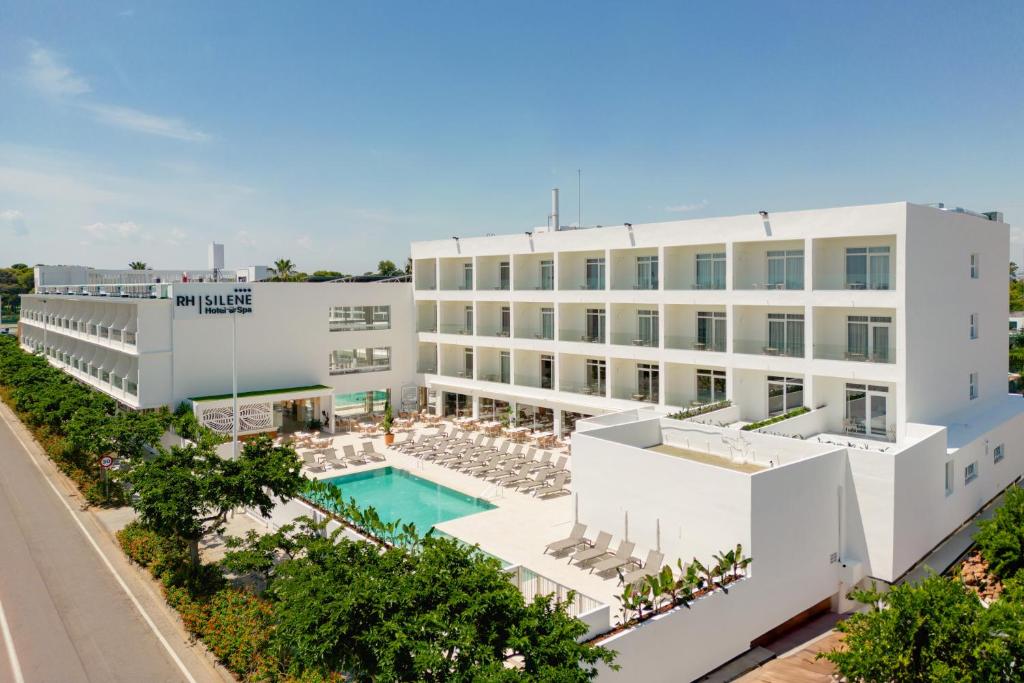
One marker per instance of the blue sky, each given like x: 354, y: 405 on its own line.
x: 334, y: 133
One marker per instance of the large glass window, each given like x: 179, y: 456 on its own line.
x: 711, y: 330
x: 867, y: 338
x: 547, y: 372
x: 784, y: 394
x: 547, y: 323
x: 785, y: 334
x: 646, y: 272
x: 867, y: 268
x: 647, y: 327
x: 467, y: 276
x: 867, y: 409
x: 468, y: 320
x: 710, y: 385
x: 786, y: 269
x: 710, y: 271
x: 975, y: 267
x: 595, y: 325
x: 595, y: 375
x: 357, y: 318
x: 504, y: 367
x: 647, y: 380
x: 595, y: 273
x: 547, y: 274
x: 973, y: 379
x: 467, y: 362
x: 371, y: 359
x: 506, y: 321
x: 504, y: 270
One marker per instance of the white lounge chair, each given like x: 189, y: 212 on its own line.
x: 351, y: 456
x: 622, y: 557
x: 573, y: 540
x: 557, y: 486
x: 598, y: 550
x: 651, y: 567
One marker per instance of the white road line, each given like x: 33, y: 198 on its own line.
x: 95, y: 546
x: 12, y: 654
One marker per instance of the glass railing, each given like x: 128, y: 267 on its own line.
x: 426, y: 327
x: 762, y: 347
x: 493, y: 377
x: 493, y: 332
x: 534, y: 333
x: 130, y: 338
x: 673, y: 341
x: 131, y: 387
x: 697, y: 285
x: 462, y: 374
x: 633, y: 339
x: 455, y: 329
x: 535, y: 382
x: 360, y: 326
x: 844, y: 352
x: 371, y: 366
x: 796, y: 286
x: 580, y: 336
x: 427, y: 368
x: 585, y: 389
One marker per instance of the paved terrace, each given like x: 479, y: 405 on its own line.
x: 516, y: 530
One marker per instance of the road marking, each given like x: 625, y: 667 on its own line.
x: 12, y: 654
x: 95, y: 546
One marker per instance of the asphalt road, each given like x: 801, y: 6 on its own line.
x: 72, y: 614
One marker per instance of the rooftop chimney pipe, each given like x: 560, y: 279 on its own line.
x: 554, y: 209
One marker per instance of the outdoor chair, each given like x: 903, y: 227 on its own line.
x: 621, y: 558
x: 331, y: 458
x: 557, y: 486
x: 370, y: 452
x: 522, y: 476
x: 535, y: 480
x: 351, y: 456
x: 599, y: 549
x: 573, y: 540
x: 651, y: 567
x: 309, y: 462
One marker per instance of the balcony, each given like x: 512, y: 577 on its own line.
x: 590, y: 337
x: 762, y: 347
x: 861, y: 355
x: 673, y: 341
x: 427, y: 367
x: 535, y: 333
x: 633, y: 339
x: 426, y: 326
x: 484, y: 331
x: 455, y: 328
x: 535, y: 382
x: 583, y: 389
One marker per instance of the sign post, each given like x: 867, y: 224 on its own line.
x: 106, y: 462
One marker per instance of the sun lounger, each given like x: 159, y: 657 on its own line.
x: 351, y: 457
x: 482, y: 465
x: 370, y: 452
x: 544, y: 461
x: 622, y: 557
x: 599, y: 549
x: 533, y: 481
x: 651, y: 567
x: 559, y: 466
x: 331, y: 458
x: 309, y: 462
x: 557, y: 486
x: 574, y: 539
x: 520, y: 475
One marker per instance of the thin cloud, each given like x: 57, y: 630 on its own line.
x: 306, y: 242
x: 687, y: 208
x: 106, y: 233
x: 15, y: 220
x: 49, y: 75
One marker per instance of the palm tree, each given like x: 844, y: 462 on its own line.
x: 137, y: 265
x: 283, y: 270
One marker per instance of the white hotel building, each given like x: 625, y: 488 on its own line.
x: 884, y: 321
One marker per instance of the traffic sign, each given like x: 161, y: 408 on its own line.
x: 106, y: 462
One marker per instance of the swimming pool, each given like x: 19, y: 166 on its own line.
x: 397, y: 494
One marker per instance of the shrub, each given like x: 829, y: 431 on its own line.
x: 778, y: 418
x: 238, y: 630
x: 1001, y: 538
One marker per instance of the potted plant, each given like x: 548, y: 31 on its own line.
x: 386, y: 424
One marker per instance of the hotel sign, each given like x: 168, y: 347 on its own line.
x: 215, y: 299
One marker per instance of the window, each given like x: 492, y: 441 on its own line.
x: 468, y: 320
x: 784, y: 394
x: 973, y: 385
x: 547, y: 274
x: 358, y: 318
x: 997, y: 453
x: 504, y: 270
x: 710, y: 331
x: 467, y: 363
x: 467, y: 276
x: 595, y: 325
x: 647, y: 327
x: 785, y: 334
x: 646, y: 272
x: 595, y: 376
x: 867, y: 410
x: 970, y: 473
x: 547, y: 372
x: 594, y: 273
x: 505, y: 367
x: 547, y: 323
x: 974, y: 326
x: 506, y: 321
x: 647, y: 380
x: 710, y: 385
x: 867, y: 268
x: 949, y: 478
x: 867, y: 338
x: 975, y: 266
x: 786, y: 269
x: 710, y: 271
x: 371, y: 359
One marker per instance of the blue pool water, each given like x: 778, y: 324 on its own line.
x: 396, y: 494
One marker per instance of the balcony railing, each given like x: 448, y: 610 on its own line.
x: 427, y: 327
x: 455, y: 329
x: 673, y: 341
x: 534, y: 333
x: 844, y: 352
x: 461, y: 374
x: 357, y: 326
x: 762, y: 347
x: 493, y: 331
x: 585, y: 389
x: 429, y: 368
x: 633, y: 339
x: 493, y: 377
x: 535, y: 382
x: 580, y: 336
x: 371, y: 366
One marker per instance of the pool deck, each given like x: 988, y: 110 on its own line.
x: 707, y: 458
x: 516, y: 530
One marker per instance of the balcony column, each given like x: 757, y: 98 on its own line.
x: 476, y: 403
x: 730, y: 254
x: 476, y: 274
x: 808, y: 264
x: 662, y: 371
x: 557, y: 426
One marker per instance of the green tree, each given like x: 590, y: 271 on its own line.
x: 188, y: 492
x: 1001, y: 537
x: 283, y: 270
x: 388, y: 269
x: 138, y: 265
x: 937, y: 630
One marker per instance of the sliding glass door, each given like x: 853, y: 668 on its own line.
x: 867, y: 409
